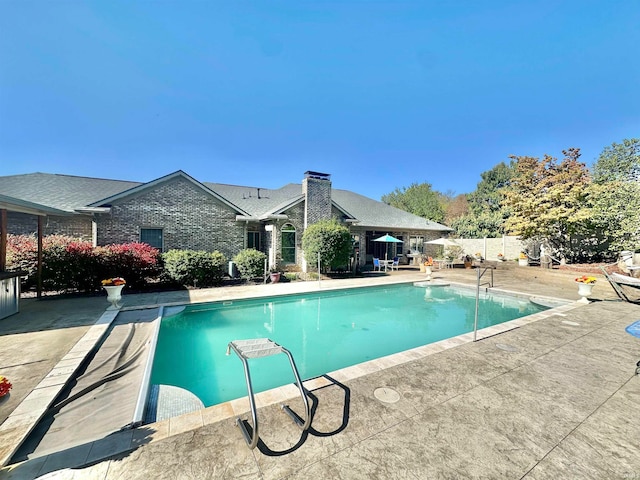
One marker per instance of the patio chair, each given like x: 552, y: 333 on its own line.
x: 376, y: 264
x: 618, y: 281
x: 395, y: 264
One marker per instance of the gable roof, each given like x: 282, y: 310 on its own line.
x: 70, y: 194
x: 179, y: 174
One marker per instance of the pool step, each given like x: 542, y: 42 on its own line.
x: 166, y: 401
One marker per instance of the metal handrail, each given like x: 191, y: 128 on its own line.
x: 479, y: 275
x: 264, y: 347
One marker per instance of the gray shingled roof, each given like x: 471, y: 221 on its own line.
x: 68, y: 193
x: 257, y: 201
x: 368, y: 212
x: 371, y: 213
x: 64, y: 192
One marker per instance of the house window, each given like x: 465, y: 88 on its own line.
x: 416, y: 244
x: 288, y: 243
x: 152, y: 236
x: 253, y: 240
x: 399, y: 245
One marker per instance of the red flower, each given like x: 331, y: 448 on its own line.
x: 5, y: 386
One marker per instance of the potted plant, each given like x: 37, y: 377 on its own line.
x: 428, y: 264
x: 113, y: 287
x: 467, y: 260
x: 478, y: 256
x: 523, y: 259
x: 585, y: 287
x: 453, y: 252
x: 423, y: 259
x: 500, y: 257
x: 274, y: 274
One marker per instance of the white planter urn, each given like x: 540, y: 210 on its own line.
x: 114, y: 295
x: 523, y: 262
x: 584, y: 290
x: 428, y: 270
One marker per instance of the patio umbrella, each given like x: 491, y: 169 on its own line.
x: 443, y: 241
x: 387, y: 239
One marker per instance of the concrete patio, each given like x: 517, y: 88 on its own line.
x: 553, y: 398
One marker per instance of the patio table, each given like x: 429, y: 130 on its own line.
x: 386, y: 263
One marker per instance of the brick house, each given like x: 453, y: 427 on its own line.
x: 179, y: 212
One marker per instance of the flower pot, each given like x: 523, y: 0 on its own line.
x: 275, y: 277
x: 501, y: 258
x: 584, y: 290
x: 422, y: 267
x: 467, y: 264
x: 523, y: 262
x: 428, y: 271
x: 114, y: 295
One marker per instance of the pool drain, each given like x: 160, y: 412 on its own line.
x: 506, y: 348
x: 386, y: 395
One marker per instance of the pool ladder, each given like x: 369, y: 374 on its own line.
x: 257, y: 348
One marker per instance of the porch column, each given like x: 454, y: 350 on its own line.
x: 3, y: 240
x: 39, y: 276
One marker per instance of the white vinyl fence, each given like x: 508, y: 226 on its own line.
x: 489, y: 248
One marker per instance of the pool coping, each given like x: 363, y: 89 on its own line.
x: 21, y: 422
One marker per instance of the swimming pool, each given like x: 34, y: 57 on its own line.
x: 325, y: 331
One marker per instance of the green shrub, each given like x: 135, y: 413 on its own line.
x: 291, y: 276
x: 250, y: 263
x: 329, y: 238
x: 197, y: 268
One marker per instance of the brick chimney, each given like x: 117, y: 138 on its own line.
x: 316, y: 188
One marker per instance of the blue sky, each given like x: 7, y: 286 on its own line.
x: 378, y: 94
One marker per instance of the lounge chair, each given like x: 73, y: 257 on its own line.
x: 376, y: 264
x: 618, y: 281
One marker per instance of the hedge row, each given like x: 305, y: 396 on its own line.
x: 69, y: 264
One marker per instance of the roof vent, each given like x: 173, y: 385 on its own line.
x: 317, y: 175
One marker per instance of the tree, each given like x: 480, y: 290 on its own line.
x: 618, y: 162
x: 615, y: 195
x: 329, y: 238
x: 489, y: 192
x: 455, y: 208
x: 485, y: 214
x: 486, y: 224
x: 419, y: 199
x: 549, y: 200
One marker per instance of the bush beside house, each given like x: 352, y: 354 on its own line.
x: 331, y: 240
x: 70, y: 264
x: 197, y: 268
x: 250, y: 263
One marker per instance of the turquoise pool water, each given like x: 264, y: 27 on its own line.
x: 324, y: 331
